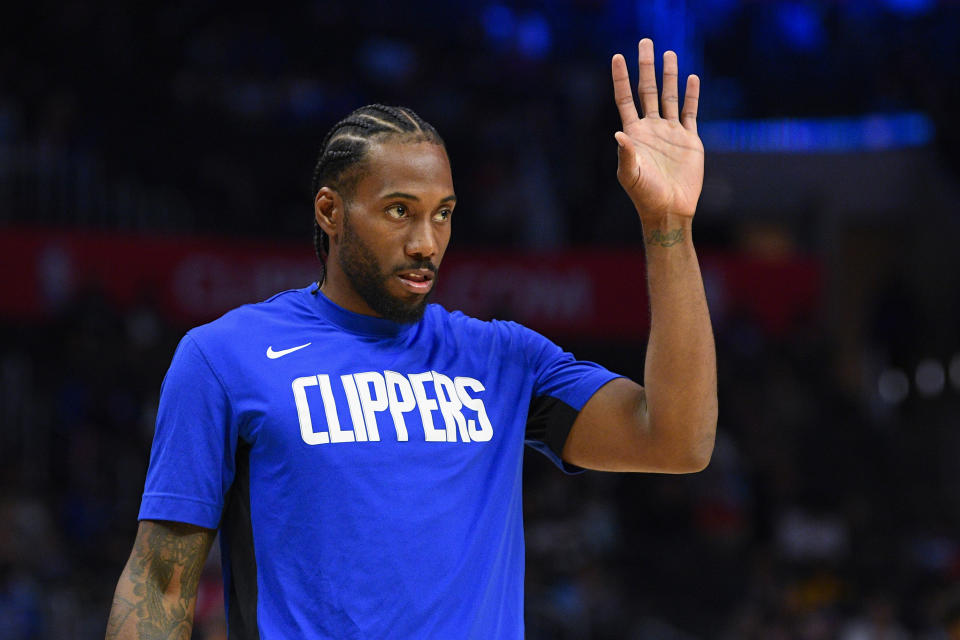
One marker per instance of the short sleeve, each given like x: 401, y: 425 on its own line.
x: 194, y: 444
x: 562, y: 385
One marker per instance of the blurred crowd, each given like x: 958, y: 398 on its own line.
x: 202, y: 115
x: 830, y: 509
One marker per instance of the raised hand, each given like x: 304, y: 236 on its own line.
x: 660, y: 163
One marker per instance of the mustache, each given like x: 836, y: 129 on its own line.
x: 423, y: 264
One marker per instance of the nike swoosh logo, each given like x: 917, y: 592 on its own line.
x: 273, y: 355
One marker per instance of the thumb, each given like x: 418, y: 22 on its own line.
x: 627, y: 170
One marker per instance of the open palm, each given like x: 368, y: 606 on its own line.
x: 661, y: 158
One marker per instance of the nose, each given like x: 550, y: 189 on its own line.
x: 422, y: 240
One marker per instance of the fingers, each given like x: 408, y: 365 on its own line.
x: 647, y: 87
x: 650, y: 100
x: 622, y: 92
x: 691, y: 100
x: 670, y: 97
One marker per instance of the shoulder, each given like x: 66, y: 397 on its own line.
x: 231, y: 330
x: 437, y: 315
x: 470, y: 331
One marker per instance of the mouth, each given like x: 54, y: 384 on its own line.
x: 416, y: 280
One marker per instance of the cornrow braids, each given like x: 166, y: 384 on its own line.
x: 345, y: 146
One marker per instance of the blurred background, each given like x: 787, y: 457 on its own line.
x: 155, y: 162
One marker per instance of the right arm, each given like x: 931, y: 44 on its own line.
x: 157, y: 592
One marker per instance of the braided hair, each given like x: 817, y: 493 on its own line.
x: 345, y: 147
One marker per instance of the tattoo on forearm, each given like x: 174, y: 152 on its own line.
x: 665, y: 238
x: 121, y: 610
x: 159, y: 558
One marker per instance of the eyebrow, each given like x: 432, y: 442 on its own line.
x: 407, y: 196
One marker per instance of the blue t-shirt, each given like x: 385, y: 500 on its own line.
x: 365, y: 475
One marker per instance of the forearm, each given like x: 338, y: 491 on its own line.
x: 156, y: 595
x: 142, y: 610
x: 680, y: 372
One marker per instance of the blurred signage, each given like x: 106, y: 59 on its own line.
x: 591, y: 292
x: 583, y: 292
x: 869, y: 132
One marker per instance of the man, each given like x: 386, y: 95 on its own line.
x: 360, y: 451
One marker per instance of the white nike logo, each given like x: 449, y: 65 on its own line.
x: 273, y: 355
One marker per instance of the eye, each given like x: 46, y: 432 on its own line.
x: 397, y: 211
x: 442, y: 215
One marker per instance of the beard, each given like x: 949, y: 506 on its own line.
x: 362, y: 269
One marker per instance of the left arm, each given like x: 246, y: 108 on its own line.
x: 670, y: 425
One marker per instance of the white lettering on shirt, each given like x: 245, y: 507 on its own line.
x: 356, y: 413
x: 330, y: 407
x: 485, y: 430
x: 370, y: 403
x: 427, y: 406
x: 399, y: 404
x: 369, y: 393
x: 450, y: 406
x: 303, y: 412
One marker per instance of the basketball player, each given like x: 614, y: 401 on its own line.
x: 360, y: 450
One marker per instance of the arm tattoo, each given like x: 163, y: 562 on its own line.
x: 121, y: 610
x: 162, y: 575
x: 665, y: 238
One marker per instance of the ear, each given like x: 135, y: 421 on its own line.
x: 328, y: 211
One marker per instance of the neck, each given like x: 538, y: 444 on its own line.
x: 336, y: 287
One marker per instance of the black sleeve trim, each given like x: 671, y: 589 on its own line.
x: 549, y: 421
x: 240, y: 562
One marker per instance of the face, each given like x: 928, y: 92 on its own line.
x: 387, y: 245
